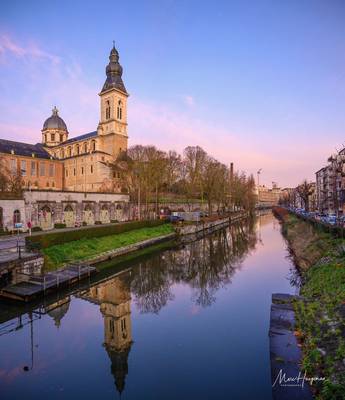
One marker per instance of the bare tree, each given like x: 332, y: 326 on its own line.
x: 304, y: 190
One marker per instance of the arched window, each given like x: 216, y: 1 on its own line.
x: 77, y: 150
x: 107, y: 109
x: 68, y: 208
x: 16, y: 216
x: 62, y: 153
x: 69, y: 152
x: 93, y: 145
x: 85, y: 147
x: 119, y: 109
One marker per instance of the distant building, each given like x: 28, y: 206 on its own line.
x: 268, y: 197
x: 330, y: 185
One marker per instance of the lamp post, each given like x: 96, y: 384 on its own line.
x: 258, y: 174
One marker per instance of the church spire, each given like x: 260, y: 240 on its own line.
x: 114, y: 73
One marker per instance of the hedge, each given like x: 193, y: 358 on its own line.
x: 49, y: 239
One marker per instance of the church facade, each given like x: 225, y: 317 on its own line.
x: 67, y: 180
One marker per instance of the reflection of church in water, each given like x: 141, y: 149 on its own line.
x: 114, y: 299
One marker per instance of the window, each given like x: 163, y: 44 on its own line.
x: 82, y: 170
x: 69, y: 152
x: 51, y: 169
x: 61, y: 138
x: 42, y: 169
x: 47, y: 184
x: 66, y: 172
x: 52, y: 135
x: 123, y: 324
x: 53, y: 184
x: 13, y: 166
x: 93, y: 145
x: 16, y: 216
x: 107, y: 109
x: 77, y: 149
x: 91, y: 169
x: 33, y: 168
x: 119, y: 109
x: 74, y: 171
x: 62, y: 153
x: 85, y: 147
x: 111, y: 327
x: 23, y: 167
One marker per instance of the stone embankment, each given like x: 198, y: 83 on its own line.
x: 189, y: 231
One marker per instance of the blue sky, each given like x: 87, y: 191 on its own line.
x: 260, y: 83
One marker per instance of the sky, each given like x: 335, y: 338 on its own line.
x: 257, y: 83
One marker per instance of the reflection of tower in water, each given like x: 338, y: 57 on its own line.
x: 115, y: 301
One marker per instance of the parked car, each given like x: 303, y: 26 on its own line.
x: 175, y: 218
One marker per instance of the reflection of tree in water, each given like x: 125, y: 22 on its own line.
x: 151, y: 285
x: 205, y: 265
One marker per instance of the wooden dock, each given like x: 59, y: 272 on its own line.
x: 39, y: 285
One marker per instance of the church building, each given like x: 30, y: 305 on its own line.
x: 76, y: 163
x: 67, y: 180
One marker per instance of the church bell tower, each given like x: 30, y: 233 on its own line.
x: 113, y: 119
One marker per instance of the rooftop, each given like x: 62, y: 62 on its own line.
x: 23, y: 149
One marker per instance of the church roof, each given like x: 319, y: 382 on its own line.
x: 81, y: 137
x: 114, y: 73
x: 55, y: 121
x: 23, y: 149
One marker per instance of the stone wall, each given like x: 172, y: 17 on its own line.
x: 46, y: 208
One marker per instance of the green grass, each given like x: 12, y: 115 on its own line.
x: 83, y: 249
x: 319, y: 322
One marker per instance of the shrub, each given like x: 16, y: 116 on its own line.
x: 84, y: 223
x: 98, y: 222
x: 36, y: 229
x: 59, y: 225
x: 53, y: 238
x: 114, y: 221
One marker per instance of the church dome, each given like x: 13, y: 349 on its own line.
x: 54, y: 121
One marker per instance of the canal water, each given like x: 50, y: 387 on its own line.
x: 185, y: 323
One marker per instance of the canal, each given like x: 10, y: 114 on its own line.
x: 183, y: 323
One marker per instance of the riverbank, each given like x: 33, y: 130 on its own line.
x: 320, y: 312
x: 102, y: 248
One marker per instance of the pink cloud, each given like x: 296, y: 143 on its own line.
x: 55, y: 80
x: 31, y: 50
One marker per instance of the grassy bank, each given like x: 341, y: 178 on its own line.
x: 320, y: 316
x: 82, y: 249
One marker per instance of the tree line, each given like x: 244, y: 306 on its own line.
x: 151, y: 175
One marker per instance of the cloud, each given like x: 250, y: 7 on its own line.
x: 9, y: 47
x: 46, y: 80
x: 162, y: 125
x: 188, y: 100
x: 49, y: 80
